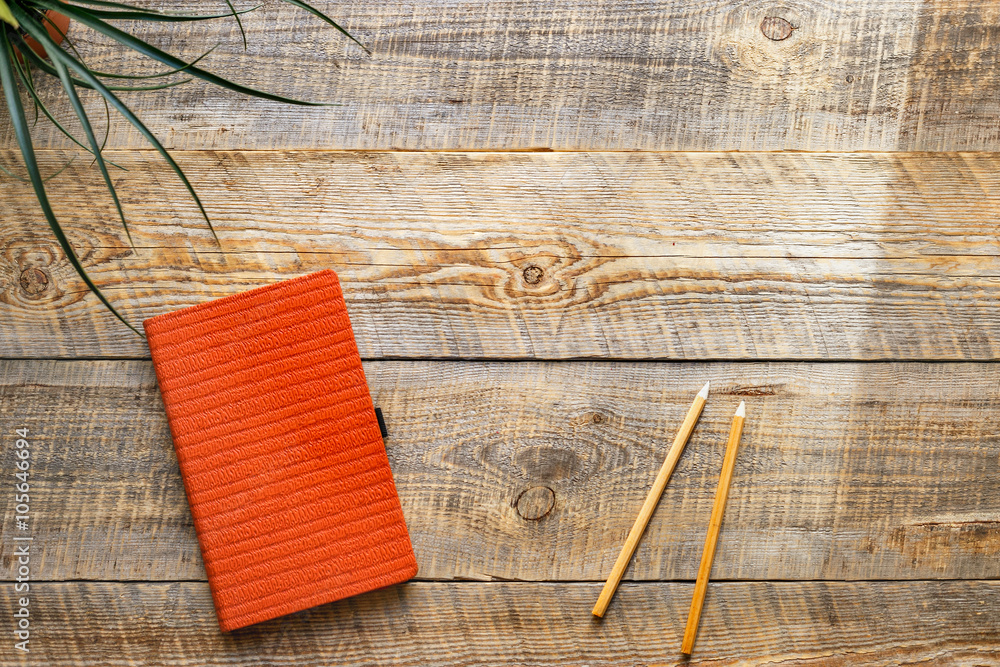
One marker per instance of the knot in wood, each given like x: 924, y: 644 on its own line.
x: 533, y: 274
x: 776, y: 28
x: 34, y: 281
x: 535, y: 503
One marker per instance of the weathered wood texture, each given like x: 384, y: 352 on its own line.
x: 596, y: 75
x: 536, y: 471
x: 524, y: 624
x: 486, y: 255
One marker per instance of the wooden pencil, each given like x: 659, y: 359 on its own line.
x: 660, y: 483
x: 714, y: 524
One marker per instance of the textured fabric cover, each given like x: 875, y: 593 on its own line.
x: 282, y: 459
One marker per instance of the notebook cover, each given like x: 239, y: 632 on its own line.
x: 281, y: 454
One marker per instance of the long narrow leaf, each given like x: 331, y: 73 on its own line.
x: 107, y: 109
x: 239, y: 22
x: 55, y: 52
x: 46, y: 67
x: 44, y: 180
x: 108, y: 3
x: 73, y: 72
x: 24, y: 74
x: 297, y: 3
x: 74, y: 100
x: 156, y: 75
x: 29, y: 53
x: 20, y: 125
x: 146, y: 15
x: 111, y: 75
x: 136, y: 44
x: 315, y: 12
x: 30, y: 84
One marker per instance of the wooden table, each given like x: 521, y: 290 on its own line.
x: 554, y: 221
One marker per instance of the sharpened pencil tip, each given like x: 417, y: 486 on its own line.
x: 742, y: 410
x: 704, y: 391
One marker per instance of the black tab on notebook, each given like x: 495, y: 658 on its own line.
x: 381, y: 423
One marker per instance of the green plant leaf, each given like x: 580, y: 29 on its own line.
x: 20, y: 124
x: 147, y: 15
x: 73, y: 72
x: 156, y: 75
x: 315, y: 12
x: 92, y: 139
x: 297, y: 3
x: 136, y: 44
x: 42, y: 37
x: 44, y: 180
x: 236, y: 15
x: 6, y: 16
x: 24, y: 74
x: 112, y: 75
x: 49, y: 69
x: 117, y: 5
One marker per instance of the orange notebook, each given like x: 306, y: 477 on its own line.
x: 280, y: 450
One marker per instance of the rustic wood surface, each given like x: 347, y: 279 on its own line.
x: 579, y: 75
x: 537, y: 322
x: 421, y: 623
x: 500, y: 255
x: 536, y: 471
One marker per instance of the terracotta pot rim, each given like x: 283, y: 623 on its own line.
x: 57, y: 32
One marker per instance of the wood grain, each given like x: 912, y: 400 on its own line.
x: 954, y: 74
x: 572, y: 75
x: 864, y: 525
x: 487, y: 255
x: 815, y: 623
x: 536, y: 471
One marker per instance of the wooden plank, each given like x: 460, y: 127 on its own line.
x: 822, y: 623
x: 955, y: 71
x: 536, y: 471
x: 485, y: 255
x: 572, y: 75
